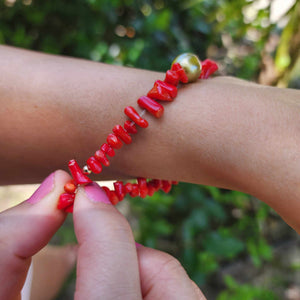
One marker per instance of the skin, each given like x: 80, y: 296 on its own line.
x: 223, y: 132
x: 109, y: 266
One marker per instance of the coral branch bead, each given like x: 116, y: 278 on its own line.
x: 94, y: 165
x: 122, y: 134
x: 142, y: 183
x: 135, y: 190
x: 153, y: 107
x: 70, y: 209
x: 176, y: 67
x: 157, y: 183
x: 208, y: 68
x: 172, y: 77
x: 101, y: 157
x: 77, y: 173
x: 128, y: 187
x: 166, y: 186
x: 151, y: 188
x: 130, y: 127
x: 108, y: 150
x: 114, y: 141
x: 106, y: 190
x: 119, y: 190
x: 131, y: 113
x: 113, y: 198
x: 65, y: 200
x: 163, y: 91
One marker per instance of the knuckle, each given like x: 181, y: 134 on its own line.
x: 117, y: 225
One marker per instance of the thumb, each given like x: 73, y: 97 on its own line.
x: 107, y: 266
x: 27, y: 228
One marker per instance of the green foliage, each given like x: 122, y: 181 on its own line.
x: 205, y: 227
x: 236, y: 291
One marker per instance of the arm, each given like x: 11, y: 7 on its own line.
x: 223, y: 132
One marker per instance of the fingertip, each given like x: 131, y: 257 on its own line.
x: 95, y: 193
x: 38, y: 216
x: 61, y: 176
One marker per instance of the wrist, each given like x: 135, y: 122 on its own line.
x: 252, y: 143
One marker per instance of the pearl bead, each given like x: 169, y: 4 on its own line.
x: 86, y: 170
x: 191, y: 65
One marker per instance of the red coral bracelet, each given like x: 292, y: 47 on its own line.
x: 185, y: 68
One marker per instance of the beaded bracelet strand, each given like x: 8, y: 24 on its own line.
x: 185, y: 68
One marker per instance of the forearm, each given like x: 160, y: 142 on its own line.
x: 56, y: 108
x: 223, y: 132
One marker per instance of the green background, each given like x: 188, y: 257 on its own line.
x: 226, y: 240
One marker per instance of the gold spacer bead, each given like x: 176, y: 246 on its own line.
x: 191, y: 65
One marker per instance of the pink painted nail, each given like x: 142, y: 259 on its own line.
x: 138, y: 245
x: 95, y: 193
x: 44, y: 189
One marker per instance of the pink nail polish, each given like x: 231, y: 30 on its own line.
x: 95, y: 193
x: 138, y: 245
x: 44, y: 189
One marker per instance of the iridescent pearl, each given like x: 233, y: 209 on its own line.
x: 191, y: 65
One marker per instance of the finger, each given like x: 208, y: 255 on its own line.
x: 163, y: 277
x: 27, y: 228
x: 107, y: 266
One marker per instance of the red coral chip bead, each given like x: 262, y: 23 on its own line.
x: 142, y: 183
x: 157, y: 183
x: 131, y: 113
x: 171, y: 89
x: 70, y: 209
x: 151, y: 188
x: 130, y: 127
x: 172, y: 77
x: 70, y: 187
x: 101, y: 157
x: 163, y: 91
x: 119, y: 190
x: 122, y: 134
x: 181, y: 73
x: 106, y: 190
x: 166, y: 186
x: 113, y: 198
x: 135, y: 190
x: 77, y: 173
x: 108, y: 150
x: 114, y: 141
x: 128, y: 187
x: 94, y: 165
x: 208, y: 68
x: 153, y: 107
x: 158, y: 93
x: 65, y: 200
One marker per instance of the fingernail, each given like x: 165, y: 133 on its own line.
x: 95, y: 193
x: 44, y: 189
x: 138, y: 245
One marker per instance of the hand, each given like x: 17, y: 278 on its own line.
x: 27, y: 228
x: 110, y: 266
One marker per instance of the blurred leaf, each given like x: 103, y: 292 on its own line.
x: 238, y: 291
x: 223, y: 245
